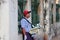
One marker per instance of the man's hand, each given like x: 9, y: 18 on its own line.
x: 24, y: 32
x: 25, y: 37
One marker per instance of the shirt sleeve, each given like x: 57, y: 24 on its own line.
x: 23, y: 23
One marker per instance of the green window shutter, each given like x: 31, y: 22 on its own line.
x: 35, y: 17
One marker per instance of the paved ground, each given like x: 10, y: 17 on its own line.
x: 20, y: 37
x: 56, y: 38
x: 58, y: 33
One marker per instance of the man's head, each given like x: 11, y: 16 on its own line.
x: 26, y: 13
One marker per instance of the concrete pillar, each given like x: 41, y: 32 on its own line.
x: 9, y: 20
x: 54, y: 16
x: 47, y: 26
x: 13, y: 19
x: 41, y: 13
x: 48, y: 16
x: 54, y: 12
x: 41, y: 18
x: 4, y: 32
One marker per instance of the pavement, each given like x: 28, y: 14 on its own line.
x: 20, y: 37
x: 56, y: 38
x: 58, y: 33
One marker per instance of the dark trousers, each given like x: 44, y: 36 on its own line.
x: 29, y: 36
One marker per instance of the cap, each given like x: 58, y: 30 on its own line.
x: 26, y: 12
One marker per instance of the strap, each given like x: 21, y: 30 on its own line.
x: 28, y: 22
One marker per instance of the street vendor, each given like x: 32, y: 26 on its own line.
x: 26, y: 26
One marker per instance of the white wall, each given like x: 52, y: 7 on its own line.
x: 4, y: 32
x: 13, y: 13
x: 9, y: 20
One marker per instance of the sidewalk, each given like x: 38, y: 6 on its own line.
x: 56, y: 38
x: 58, y: 33
x: 20, y: 37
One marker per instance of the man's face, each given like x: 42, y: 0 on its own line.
x: 28, y: 15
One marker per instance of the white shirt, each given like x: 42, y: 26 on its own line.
x: 25, y: 25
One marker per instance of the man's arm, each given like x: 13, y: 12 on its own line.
x: 23, y: 25
x: 24, y: 32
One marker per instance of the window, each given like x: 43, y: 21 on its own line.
x: 35, y: 17
x: 57, y: 12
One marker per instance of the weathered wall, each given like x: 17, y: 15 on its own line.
x: 9, y: 20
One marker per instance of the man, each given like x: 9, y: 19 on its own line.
x: 26, y: 26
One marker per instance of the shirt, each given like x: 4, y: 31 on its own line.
x: 25, y: 25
